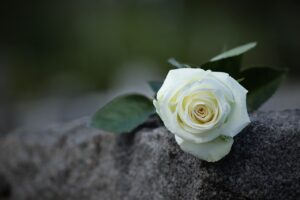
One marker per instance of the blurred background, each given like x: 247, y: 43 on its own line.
x: 60, y: 60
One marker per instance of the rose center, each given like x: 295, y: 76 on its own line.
x: 201, y: 111
x: 202, y: 114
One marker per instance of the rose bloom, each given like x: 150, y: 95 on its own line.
x: 204, y: 110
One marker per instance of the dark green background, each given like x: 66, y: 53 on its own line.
x: 74, y: 47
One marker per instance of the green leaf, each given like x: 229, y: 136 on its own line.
x: 240, y: 79
x: 177, y: 64
x: 261, y: 82
x: 229, y: 61
x: 123, y: 114
x: 235, y: 51
x: 155, y: 85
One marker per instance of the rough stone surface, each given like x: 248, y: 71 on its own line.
x: 73, y: 161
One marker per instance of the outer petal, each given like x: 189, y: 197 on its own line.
x: 179, y: 77
x: 211, y: 151
x: 239, y: 117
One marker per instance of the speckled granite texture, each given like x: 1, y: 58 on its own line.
x: 72, y: 161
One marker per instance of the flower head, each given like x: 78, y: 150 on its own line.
x: 204, y: 110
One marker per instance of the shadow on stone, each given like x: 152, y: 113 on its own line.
x: 5, y: 188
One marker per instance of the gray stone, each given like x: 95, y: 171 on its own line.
x: 73, y: 161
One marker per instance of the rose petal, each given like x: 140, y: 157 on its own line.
x: 210, y: 151
x: 238, y: 118
x: 177, y: 78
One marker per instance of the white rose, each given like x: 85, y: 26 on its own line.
x: 204, y: 110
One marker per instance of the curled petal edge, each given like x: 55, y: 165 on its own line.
x: 210, y: 151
